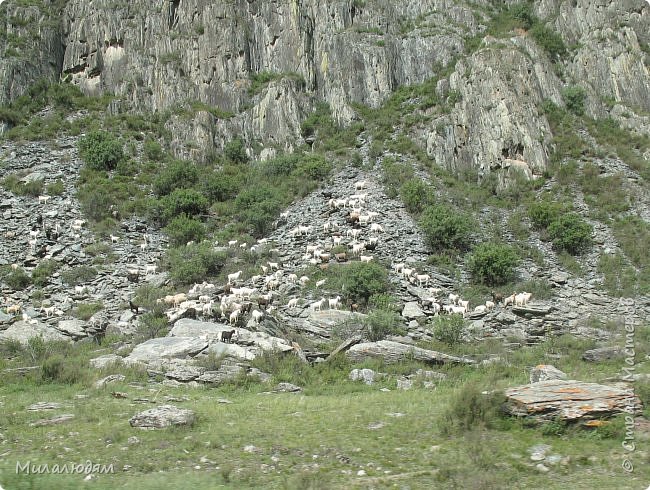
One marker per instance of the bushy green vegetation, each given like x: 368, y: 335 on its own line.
x: 358, y: 281
x: 260, y: 81
x: 183, y: 229
x: 606, y: 196
x: 17, y: 279
x: 448, y: 329
x: 570, y: 233
x: 77, y: 275
x: 492, y: 264
x: 382, y: 322
x: 415, y: 195
x: 189, y: 202
x: 101, y: 150
x: 152, y: 325
x: 446, y: 228
x: 84, y: 311
x: 543, y: 212
x: 43, y: 271
x: 574, y: 99
x: 13, y: 184
x: 195, y: 263
x: 471, y: 409
x: 176, y: 175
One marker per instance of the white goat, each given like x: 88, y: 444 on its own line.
x: 43, y: 199
x: 257, y: 316
x: 480, y: 309
x: 360, y: 185
x: 365, y: 258
x: 304, y: 280
x: 234, y: 277
x: 334, y: 302
x: 114, y: 239
x: 318, y: 305
x: 376, y: 227
x: 453, y: 298
x: 463, y: 304
x: 293, y: 302
x: 423, y: 279
x: 489, y: 305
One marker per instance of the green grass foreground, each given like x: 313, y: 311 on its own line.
x: 447, y: 437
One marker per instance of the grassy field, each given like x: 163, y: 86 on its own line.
x: 335, y: 434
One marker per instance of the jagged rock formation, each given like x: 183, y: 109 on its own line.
x: 345, y: 53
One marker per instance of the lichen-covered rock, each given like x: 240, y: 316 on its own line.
x: 545, y: 372
x: 570, y: 400
x: 162, y: 417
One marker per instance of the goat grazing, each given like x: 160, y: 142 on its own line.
x: 226, y: 336
x: 334, y: 302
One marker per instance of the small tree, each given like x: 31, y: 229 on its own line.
x: 178, y: 174
x: 574, y: 98
x: 183, y: 229
x: 445, y: 228
x: 184, y: 201
x: 448, y: 329
x: 569, y: 232
x: 543, y: 213
x: 100, y: 150
x: 493, y: 264
x: 380, y: 323
x: 235, y: 151
x: 360, y: 280
x: 415, y: 195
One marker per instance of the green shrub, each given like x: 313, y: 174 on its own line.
x: 359, y: 280
x: 152, y: 325
x: 58, y: 368
x: 493, y: 264
x: 415, y: 195
x: 448, y: 329
x: 543, y: 213
x: 79, y: 274
x: 183, y: 229
x: 183, y: 201
x: 619, y: 278
x: 235, y: 151
x: 56, y: 188
x: 446, y: 229
x: 193, y: 264
x: 85, y: 310
x: 176, y: 175
x: 471, y: 409
x: 18, y: 279
x: 152, y: 150
x: 380, y: 323
x: 221, y: 186
x: 43, y: 272
x: 574, y: 98
x: 549, y: 40
x: 258, y: 207
x: 100, y: 150
x: 571, y: 233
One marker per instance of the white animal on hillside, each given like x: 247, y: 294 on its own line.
x: 359, y: 185
x: 304, y: 280
x: 463, y: 304
x: 293, y: 302
x: 423, y: 279
x: 43, y: 199
x: 480, y: 309
x: 509, y: 300
x: 334, y: 302
x: 489, y: 305
x: 257, y: 316
x: 114, y: 239
x: 398, y: 267
x: 234, y: 277
x: 320, y: 283
x: 365, y: 258
x: 453, y: 298
x: 376, y: 227
x: 232, y: 243
x: 318, y: 305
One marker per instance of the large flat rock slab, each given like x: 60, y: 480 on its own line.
x: 186, y: 327
x: 23, y: 331
x: 393, y: 352
x: 570, y: 400
x: 166, y: 348
x: 233, y: 350
x: 327, y: 319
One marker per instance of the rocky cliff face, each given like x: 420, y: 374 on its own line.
x: 175, y: 53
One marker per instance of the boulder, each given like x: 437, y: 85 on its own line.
x: 570, y: 400
x: 366, y: 375
x: 602, y: 354
x: 327, y: 319
x: 232, y: 350
x: 545, y: 372
x: 392, y: 352
x: 23, y: 331
x: 102, y: 362
x: 186, y: 327
x: 162, y: 416
x: 166, y: 348
x: 412, y: 311
x: 74, y: 328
